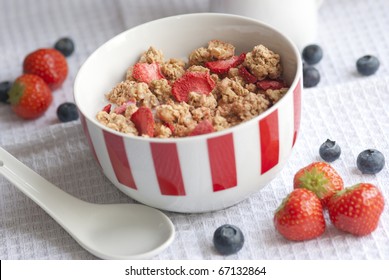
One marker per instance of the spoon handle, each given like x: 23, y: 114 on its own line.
x: 61, y: 206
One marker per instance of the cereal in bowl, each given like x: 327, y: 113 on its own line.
x: 216, y: 89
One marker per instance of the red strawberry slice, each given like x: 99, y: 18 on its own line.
x: 144, y: 121
x: 107, y: 108
x: 247, y: 76
x: 170, y: 126
x: 202, y: 127
x: 222, y: 66
x: 122, y: 108
x: 270, y: 84
x: 145, y: 72
x: 199, y: 82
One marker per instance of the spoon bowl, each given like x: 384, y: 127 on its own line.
x: 143, y: 232
x: 108, y: 231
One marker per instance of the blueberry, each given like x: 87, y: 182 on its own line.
x: 67, y: 112
x: 65, y: 46
x: 4, y: 88
x: 329, y: 151
x: 312, y: 54
x: 228, y: 239
x: 370, y: 161
x: 367, y: 65
x: 311, y: 76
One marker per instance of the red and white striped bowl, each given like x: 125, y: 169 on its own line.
x: 192, y: 174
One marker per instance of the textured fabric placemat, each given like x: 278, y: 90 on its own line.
x: 355, y: 115
x: 345, y: 107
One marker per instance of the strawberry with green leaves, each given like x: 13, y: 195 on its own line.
x: 300, y: 216
x: 49, y: 64
x: 356, y: 209
x: 321, y: 178
x: 30, y: 96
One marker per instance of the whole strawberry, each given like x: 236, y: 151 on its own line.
x: 321, y: 178
x: 356, y: 209
x: 30, y: 96
x: 49, y: 64
x: 300, y: 216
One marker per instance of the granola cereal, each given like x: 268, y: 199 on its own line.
x: 117, y: 122
x: 152, y: 55
x: 263, y: 63
x: 220, y: 98
x: 220, y: 50
x: 173, y: 69
x: 199, y: 56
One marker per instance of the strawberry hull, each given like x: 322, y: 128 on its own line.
x: 321, y: 178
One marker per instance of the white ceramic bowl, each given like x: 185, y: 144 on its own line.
x: 192, y: 174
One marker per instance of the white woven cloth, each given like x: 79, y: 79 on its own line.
x: 344, y: 107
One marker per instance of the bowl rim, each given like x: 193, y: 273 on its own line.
x: 296, y: 79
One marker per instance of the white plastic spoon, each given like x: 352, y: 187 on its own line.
x: 108, y: 231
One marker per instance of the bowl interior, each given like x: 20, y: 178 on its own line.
x: 177, y: 37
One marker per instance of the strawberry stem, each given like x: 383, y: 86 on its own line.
x: 15, y: 93
x: 315, y: 181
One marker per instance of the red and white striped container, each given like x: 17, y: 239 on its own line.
x: 193, y: 174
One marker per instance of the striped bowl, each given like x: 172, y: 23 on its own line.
x: 201, y: 173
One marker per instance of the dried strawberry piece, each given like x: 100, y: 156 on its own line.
x: 199, y: 82
x: 270, y: 84
x: 202, y: 127
x: 122, y: 108
x: 170, y: 126
x: 222, y: 66
x: 145, y: 72
x: 247, y: 76
x: 144, y: 121
x: 107, y: 108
